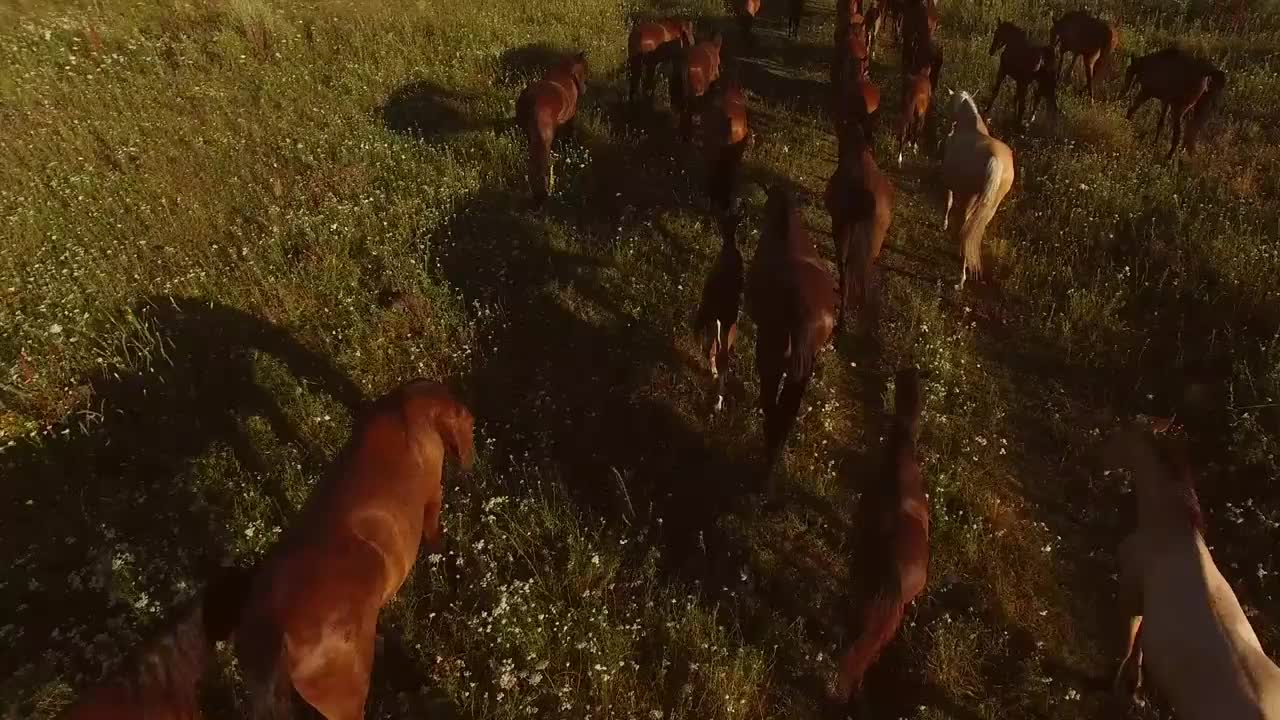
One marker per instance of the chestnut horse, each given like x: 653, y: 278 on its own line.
x: 791, y: 297
x: 310, y: 621
x: 162, y: 681
x: 651, y: 44
x: 860, y: 200
x: 697, y: 68
x: 1185, y: 623
x: 725, y: 139
x: 1086, y: 37
x: 1025, y: 62
x: 894, y: 518
x: 850, y: 54
x: 1181, y: 82
x: 979, y: 170
x: 917, y: 93
x: 717, y: 318
x: 544, y: 107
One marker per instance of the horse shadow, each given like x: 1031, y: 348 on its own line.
x: 131, y: 479
x: 524, y: 64
x: 425, y: 110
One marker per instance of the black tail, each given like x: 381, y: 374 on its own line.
x: 722, y: 180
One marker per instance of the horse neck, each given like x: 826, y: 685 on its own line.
x: 1165, y: 503
x: 971, y: 121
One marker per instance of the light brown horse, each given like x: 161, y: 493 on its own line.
x: 310, y: 622
x: 860, y: 200
x: 725, y: 139
x: 698, y: 67
x: 1181, y: 82
x: 717, y: 318
x: 977, y: 171
x: 1025, y: 62
x: 894, y: 522
x: 1087, y: 38
x: 792, y: 298
x: 1185, y: 624
x: 162, y: 681
x: 649, y: 45
x: 544, y: 107
x: 917, y: 93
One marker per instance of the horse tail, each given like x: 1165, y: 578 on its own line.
x: 984, y: 208
x: 1131, y: 74
x: 802, y: 338
x: 881, y: 617
x: 539, y: 163
x: 1104, y: 56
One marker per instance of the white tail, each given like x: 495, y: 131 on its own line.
x: 979, y: 215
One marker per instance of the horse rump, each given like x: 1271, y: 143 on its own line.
x: 881, y: 617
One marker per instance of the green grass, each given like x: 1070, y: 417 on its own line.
x: 224, y: 223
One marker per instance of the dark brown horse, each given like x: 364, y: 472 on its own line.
x: 792, y: 298
x: 1025, y: 62
x: 1088, y: 38
x: 310, y: 621
x: 873, y: 21
x: 917, y: 94
x: 920, y: 22
x: 860, y: 200
x: 725, y: 139
x: 544, y: 107
x: 162, y: 681
x: 649, y: 45
x: 717, y: 318
x: 795, y: 13
x: 1181, y: 82
x: 698, y: 67
x: 894, y: 518
x: 746, y: 11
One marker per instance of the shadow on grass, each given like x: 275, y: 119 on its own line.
x: 427, y: 111
x: 118, y: 488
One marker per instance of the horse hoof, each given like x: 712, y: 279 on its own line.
x: 719, y: 404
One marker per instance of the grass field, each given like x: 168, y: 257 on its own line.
x: 224, y: 223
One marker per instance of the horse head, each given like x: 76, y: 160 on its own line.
x: 686, y: 33
x: 431, y: 406
x: 1000, y: 38
x: 578, y: 69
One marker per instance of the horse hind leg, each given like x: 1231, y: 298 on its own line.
x: 339, y: 686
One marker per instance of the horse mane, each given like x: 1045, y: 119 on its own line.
x: 970, y: 121
x: 785, y: 226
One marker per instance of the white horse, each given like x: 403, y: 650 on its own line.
x: 977, y: 170
x: 1185, y: 621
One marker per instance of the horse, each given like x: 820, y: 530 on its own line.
x: 1025, y: 62
x: 850, y: 53
x: 792, y: 298
x: 894, y: 518
x: 725, y: 139
x: 856, y: 100
x: 979, y: 170
x: 917, y: 93
x: 795, y: 13
x: 1180, y: 82
x: 747, y: 11
x: 651, y: 44
x: 717, y: 318
x: 873, y: 20
x: 860, y: 199
x: 1087, y: 37
x: 161, y: 681
x: 1186, y: 626
x: 698, y: 67
x: 310, y: 620
x: 919, y: 25
x: 545, y: 106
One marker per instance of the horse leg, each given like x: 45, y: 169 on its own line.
x: 788, y: 409
x: 1020, y: 99
x: 946, y: 214
x: 1164, y: 111
x: 650, y: 80
x: 540, y: 174
x: 432, y: 538
x: 841, y: 229
x: 1129, y: 676
x: 634, y: 74
x: 1138, y: 102
x: 995, y: 91
x: 1178, y: 115
x: 339, y: 685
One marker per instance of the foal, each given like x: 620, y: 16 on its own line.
x: 979, y: 170
x: 792, y: 298
x: 1025, y: 62
x: 1180, y: 82
x: 310, y: 620
x: 651, y: 44
x: 860, y: 200
x: 543, y: 107
x: 725, y: 139
x: 1194, y: 637
x: 717, y: 317
x: 162, y: 681
x: 894, y: 518
x: 1087, y: 38
x: 698, y: 67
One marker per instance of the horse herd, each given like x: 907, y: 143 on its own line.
x: 304, y: 619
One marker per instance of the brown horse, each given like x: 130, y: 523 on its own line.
x: 725, y: 139
x: 920, y: 22
x: 649, y: 45
x: 1025, y: 62
x: 859, y: 109
x: 1182, y: 83
x: 850, y: 54
x: 917, y: 93
x: 894, y: 518
x: 873, y: 21
x: 1185, y: 623
x: 1086, y: 37
x: 698, y: 67
x: 544, y: 107
x: 795, y: 13
x: 162, y: 681
x: 791, y: 297
x: 747, y: 11
x: 860, y: 199
x: 978, y: 170
x: 717, y: 318
x: 310, y: 621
